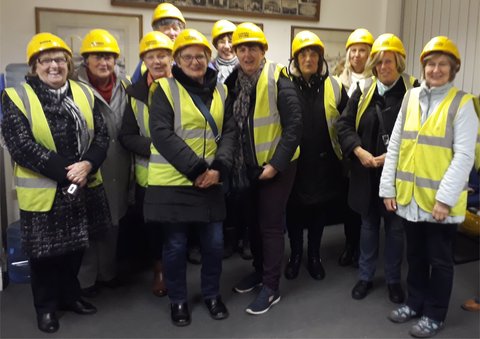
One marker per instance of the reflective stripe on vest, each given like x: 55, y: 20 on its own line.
x: 332, y: 98
x: 426, y: 151
x: 36, y: 192
x: 141, y: 113
x: 267, y: 128
x: 191, y: 126
x: 367, y: 94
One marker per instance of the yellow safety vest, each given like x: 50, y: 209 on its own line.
x: 426, y: 151
x: 476, y: 104
x: 267, y: 128
x: 36, y: 192
x: 332, y: 98
x: 368, y: 90
x: 140, y: 110
x: 191, y: 126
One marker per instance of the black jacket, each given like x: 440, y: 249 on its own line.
x: 129, y: 135
x: 319, y: 175
x: 176, y: 204
x: 364, y: 182
x: 289, y: 108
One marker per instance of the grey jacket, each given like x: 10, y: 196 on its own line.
x: 465, y: 128
x: 116, y: 169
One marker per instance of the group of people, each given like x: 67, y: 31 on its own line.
x: 280, y: 147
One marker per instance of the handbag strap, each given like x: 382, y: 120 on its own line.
x: 206, y: 113
x: 384, y: 135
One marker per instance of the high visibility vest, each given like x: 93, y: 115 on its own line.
x: 140, y: 110
x: 36, y: 192
x: 332, y: 98
x: 367, y: 94
x: 190, y: 125
x: 476, y: 104
x: 426, y: 151
x: 267, y: 128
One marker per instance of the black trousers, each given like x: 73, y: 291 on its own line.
x: 312, y: 217
x: 430, y: 267
x: 269, y: 200
x: 54, y: 281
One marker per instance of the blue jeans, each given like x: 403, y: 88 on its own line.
x: 175, y: 259
x: 369, y: 243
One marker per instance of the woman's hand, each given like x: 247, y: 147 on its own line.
x: 268, y: 172
x: 78, y: 172
x: 380, y: 160
x: 390, y: 204
x: 365, y: 157
x: 208, y: 178
x: 440, y: 211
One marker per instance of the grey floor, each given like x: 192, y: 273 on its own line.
x: 308, y: 308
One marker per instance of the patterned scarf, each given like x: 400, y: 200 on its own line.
x: 224, y: 67
x: 241, y: 108
x: 57, y: 100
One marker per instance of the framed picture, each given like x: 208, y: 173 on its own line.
x: 73, y: 25
x: 287, y: 9
x: 333, y: 39
x: 205, y: 27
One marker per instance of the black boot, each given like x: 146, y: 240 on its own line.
x: 315, y: 268
x: 346, y: 258
x: 293, y: 266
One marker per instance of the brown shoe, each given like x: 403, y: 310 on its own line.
x: 471, y: 305
x: 158, y: 287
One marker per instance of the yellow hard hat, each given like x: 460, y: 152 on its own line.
x: 305, y: 39
x: 43, y: 42
x: 166, y: 10
x: 154, y: 40
x: 388, y: 42
x: 99, y: 41
x: 360, y: 36
x: 248, y: 32
x: 189, y: 37
x: 222, y: 27
x: 440, y: 44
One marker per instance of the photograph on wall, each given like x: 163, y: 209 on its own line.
x: 293, y: 9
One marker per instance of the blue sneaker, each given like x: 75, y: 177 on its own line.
x: 264, y: 300
x: 426, y: 328
x: 249, y: 283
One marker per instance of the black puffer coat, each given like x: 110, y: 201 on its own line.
x: 179, y: 204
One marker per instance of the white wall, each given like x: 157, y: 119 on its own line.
x: 17, y: 21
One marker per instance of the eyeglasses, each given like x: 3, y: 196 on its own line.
x: 189, y: 58
x: 60, y: 61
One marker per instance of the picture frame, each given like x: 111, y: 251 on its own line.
x: 333, y: 39
x: 73, y: 25
x: 308, y: 10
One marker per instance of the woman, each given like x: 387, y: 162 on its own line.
x: 156, y: 54
x: 267, y: 113
x: 358, y: 47
x: 439, y: 124
x: 319, y: 180
x: 363, y: 130
x: 100, y: 51
x: 226, y: 60
x: 58, y: 140
x: 192, y: 145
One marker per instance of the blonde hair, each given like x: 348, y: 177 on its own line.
x: 377, y: 58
